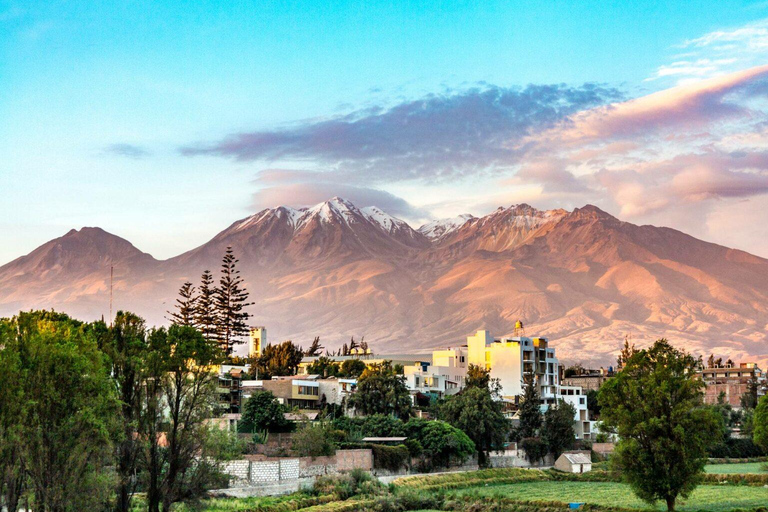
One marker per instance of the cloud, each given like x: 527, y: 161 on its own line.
x: 435, y: 138
x: 127, y: 150
x: 718, y: 53
x: 303, y: 194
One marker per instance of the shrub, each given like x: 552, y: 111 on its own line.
x: 314, y: 441
x: 535, y: 449
x: 391, y: 458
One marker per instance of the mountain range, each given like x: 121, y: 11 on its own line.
x: 583, y: 278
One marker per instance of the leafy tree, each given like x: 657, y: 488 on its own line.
x: 530, y: 409
x: 125, y: 345
x: 760, y: 424
x: 593, y: 404
x: 557, y: 432
x: 323, y: 366
x: 262, y: 411
x: 231, y: 299
x: 315, y: 349
x: 68, y: 421
x: 186, y: 306
x: 444, y: 444
x: 381, y: 391
x: 352, y: 368
x: 655, y: 403
x: 188, y: 390
x: 279, y: 360
x: 205, y: 307
x: 477, y: 376
x: 626, y: 353
x: 480, y: 416
x: 12, y: 478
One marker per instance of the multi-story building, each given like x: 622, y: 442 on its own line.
x: 511, y: 360
x: 588, y: 380
x: 732, y: 382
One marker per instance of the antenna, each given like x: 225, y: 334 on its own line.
x: 111, y: 275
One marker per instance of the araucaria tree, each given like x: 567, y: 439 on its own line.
x: 655, y: 404
x: 230, y: 301
x: 185, y: 307
x: 205, y: 307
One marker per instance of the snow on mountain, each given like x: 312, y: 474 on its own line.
x: 440, y: 228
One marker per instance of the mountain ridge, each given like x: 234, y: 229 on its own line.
x: 584, y: 277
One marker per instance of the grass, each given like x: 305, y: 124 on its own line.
x: 709, y: 497
x: 745, y: 468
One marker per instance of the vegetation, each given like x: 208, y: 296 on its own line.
x: 314, y: 441
x: 263, y: 412
x: 380, y: 390
x: 557, y: 433
x: 530, y: 409
x: 475, y: 411
x: 760, y: 422
x: 278, y: 360
x: 654, y: 402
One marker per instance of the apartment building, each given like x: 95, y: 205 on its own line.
x: 732, y: 382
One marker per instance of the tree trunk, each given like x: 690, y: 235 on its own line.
x: 671, y: 503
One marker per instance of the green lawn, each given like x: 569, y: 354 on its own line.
x: 709, y: 497
x: 742, y: 469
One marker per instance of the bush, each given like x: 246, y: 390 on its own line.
x: 355, y: 483
x: 445, y: 444
x: 735, y: 448
x: 314, y: 441
x: 535, y: 449
x: 391, y: 458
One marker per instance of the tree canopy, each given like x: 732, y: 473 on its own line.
x: 380, y: 390
x: 655, y: 404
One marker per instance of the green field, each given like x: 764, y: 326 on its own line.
x: 732, y: 469
x: 707, y: 497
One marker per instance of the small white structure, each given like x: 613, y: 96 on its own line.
x: 573, y: 462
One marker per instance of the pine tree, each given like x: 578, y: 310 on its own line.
x: 205, y: 310
x: 231, y: 299
x: 530, y: 408
x: 186, y: 306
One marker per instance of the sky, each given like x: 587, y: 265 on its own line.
x: 164, y: 122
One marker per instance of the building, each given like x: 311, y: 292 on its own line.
x: 574, y: 462
x: 257, y: 340
x: 368, y: 358
x: 589, y: 380
x: 732, y: 382
x: 305, y: 392
x: 511, y: 360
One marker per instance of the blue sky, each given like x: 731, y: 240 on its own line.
x: 163, y: 122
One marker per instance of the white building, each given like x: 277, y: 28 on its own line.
x: 510, y: 360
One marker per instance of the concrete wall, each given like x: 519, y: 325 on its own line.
x: 246, y: 472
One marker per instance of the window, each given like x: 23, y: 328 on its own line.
x: 309, y: 390
x: 461, y: 359
x: 581, y: 400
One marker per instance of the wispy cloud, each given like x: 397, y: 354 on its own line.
x: 127, y: 150
x: 718, y: 53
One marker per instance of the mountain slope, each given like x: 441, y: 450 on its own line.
x: 335, y: 270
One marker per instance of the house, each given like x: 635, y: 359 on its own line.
x: 574, y: 462
x: 732, y: 382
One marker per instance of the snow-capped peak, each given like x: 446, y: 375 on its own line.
x: 383, y: 219
x: 441, y: 228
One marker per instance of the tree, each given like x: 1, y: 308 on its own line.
x: 125, y: 345
x: 655, y: 403
x: 279, y: 360
x: 188, y: 388
x: 557, y: 433
x: 323, y: 366
x: 760, y: 424
x: 480, y: 416
x: 380, y: 390
x: 68, y: 420
x: 535, y: 449
x: 231, y: 299
x: 477, y: 376
x: 352, y: 368
x: 12, y: 478
x: 205, y: 307
x: 626, y: 353
x: 186, y: 306
x: 262, y: 412
x: 315, y: 349
x: 444, y: 444
x: 530, y: 409
x: 313, y: 441
x: 593, y: 405
x: 749, y: 399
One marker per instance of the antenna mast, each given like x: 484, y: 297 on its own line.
x: 111, y: 275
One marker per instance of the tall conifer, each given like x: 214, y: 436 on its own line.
x: 231, y: 299
x: 205, y: 313
x: 186, y: 306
